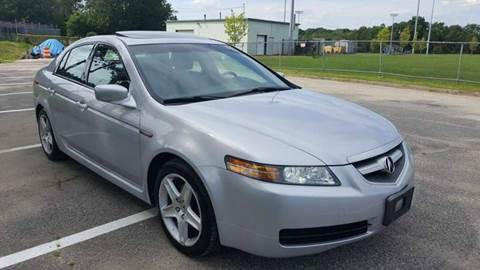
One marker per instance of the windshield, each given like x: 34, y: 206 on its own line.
x: 201, y: 72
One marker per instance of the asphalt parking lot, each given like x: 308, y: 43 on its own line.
x: 42, y: 201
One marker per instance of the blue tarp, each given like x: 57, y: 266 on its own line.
x: 55, y: 46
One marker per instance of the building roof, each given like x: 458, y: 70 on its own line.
x: 222, y: 20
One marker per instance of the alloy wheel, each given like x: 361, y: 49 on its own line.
x: 180, y: 209
x: 46, y: 136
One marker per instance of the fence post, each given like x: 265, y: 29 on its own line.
x: 459, y: 69
x: 16, y: 30
x: 381, y: 60
x: 280, y: 53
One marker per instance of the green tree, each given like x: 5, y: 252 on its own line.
x: 109, y: 16
x: 472, y: 29
x: 473, y: 45
x: 78, y: 24
x: 420, y: 46
x: 405, y: 37
x: 53, y: 12
x: 383, y: 36
x: 236, y: 27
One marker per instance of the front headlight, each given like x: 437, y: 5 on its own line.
x: 297, y: 175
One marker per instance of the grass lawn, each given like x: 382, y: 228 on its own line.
x: 436, y: 66
x: 10, y: 51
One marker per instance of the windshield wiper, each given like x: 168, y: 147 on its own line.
x: 262, y: 89
x: 183, y: 100
x: 200, y: 98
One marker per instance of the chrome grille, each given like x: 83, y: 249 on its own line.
x: 374, y: 170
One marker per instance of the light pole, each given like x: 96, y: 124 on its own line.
x: 298, y: 13
x: 391, y: 34
x: 430, y: 27
x: 415, y: 31
x: 285, y: 11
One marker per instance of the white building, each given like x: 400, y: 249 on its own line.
x: 263, y: 37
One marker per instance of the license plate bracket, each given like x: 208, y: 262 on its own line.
x: 397, y: 205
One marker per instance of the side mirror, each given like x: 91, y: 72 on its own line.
x: 281, y: 74
x: 111, y: 92
x: 114, y: 93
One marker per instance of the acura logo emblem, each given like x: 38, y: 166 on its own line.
x: 389, y: 165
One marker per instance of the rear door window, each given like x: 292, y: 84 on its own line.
x: 74, y: 67
x: 107, y: 67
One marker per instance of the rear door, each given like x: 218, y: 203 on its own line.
x: 68, y: 86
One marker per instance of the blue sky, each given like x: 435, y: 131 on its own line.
x: 336, y: 14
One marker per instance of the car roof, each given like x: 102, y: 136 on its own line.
x: 154, y: 37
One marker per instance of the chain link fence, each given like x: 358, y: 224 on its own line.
x: 449, y: 61
x: 12, y: 30
x: 31, y: 32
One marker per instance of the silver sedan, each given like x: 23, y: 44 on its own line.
x: 229, y: 151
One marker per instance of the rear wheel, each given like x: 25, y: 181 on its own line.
x: 185, y: 210
x: 47, y: 139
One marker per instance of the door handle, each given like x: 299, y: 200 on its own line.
x: 50, y: 91
x: 82, y: 105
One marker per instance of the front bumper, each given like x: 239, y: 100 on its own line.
x: 250, y: 213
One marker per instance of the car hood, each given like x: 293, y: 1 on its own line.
x: 335, y: 131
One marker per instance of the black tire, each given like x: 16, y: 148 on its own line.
x: 54, y: 154
x: 208, y: 241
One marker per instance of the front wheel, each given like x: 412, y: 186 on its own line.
x: 185, y: 210
x: 47, y: 139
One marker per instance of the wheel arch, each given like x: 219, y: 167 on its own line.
x: 158, y: 161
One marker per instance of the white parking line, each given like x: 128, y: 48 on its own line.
x: 19, y: 110
x: 15, y: 93
x: 15, y: 149
x: 17, y: 77
x: 73, y: 239
x: 13, y: 84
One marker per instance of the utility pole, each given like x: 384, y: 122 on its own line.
x: 292, y: 21
x: 16, y: 30
x: 292, y: 28
x: 391, y: 34
x: 415, y: 31
x: 430, y: 27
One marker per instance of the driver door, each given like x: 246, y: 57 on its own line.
x: 112, y: 137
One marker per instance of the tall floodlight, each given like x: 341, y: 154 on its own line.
x: 430, y: 27
x: 415, y: 35
x: 298, y: 13
x: 391, y: 33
